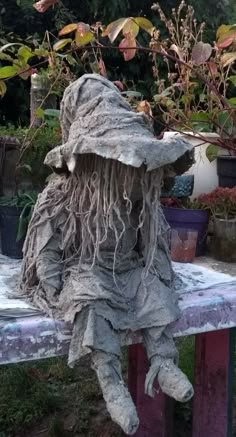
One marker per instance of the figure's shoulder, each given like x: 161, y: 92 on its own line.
x: 54, y: 189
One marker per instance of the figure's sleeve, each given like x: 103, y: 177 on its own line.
x: 49, y: 265
x: 161, y: 261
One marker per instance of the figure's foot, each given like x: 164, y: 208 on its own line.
x: 116, y: 395
x: 121, y: 408
x: 172, y: 380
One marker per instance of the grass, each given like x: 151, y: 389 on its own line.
x: 48, y: 399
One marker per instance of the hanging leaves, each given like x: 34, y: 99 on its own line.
x: 128, y: 47
x: 201, y: 53
x: 129, y: 26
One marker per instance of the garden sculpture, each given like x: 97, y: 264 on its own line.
x: 97, y: 250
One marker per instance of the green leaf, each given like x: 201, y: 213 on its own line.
x: 200, y: 116
x: 223, y: 29
x: 27, y: 167
x: 83, y: 35
x: 52, y: 112
x: 39, y: 112
x: 232, y: 79
x: 41, y: 52
x: 5, y: 57
x: 6, y: 72
x: 212, y: 152
x: 61, y: 44
x: 114, y: 28
x: 25, y: 53
x: 227, y: 38
x: 228, y: 58
x: 3, y: 88
x: 145, y: 24
x: 131, y: 27
x: 232, y: 101
x: 134, y: 94
x: 10, y: 44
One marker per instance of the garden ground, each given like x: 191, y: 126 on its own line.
x: 47, y: 399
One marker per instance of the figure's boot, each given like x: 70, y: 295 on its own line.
x: 118, y: 400
x: 172, y: 380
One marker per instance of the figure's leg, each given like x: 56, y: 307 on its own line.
x: 163, y: 355
x: 108, y: 369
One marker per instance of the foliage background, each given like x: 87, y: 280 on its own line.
x: 19, y: 18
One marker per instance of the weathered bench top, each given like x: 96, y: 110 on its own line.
x: 207, y: 299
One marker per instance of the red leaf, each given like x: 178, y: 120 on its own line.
x: 43, y: 5
x: 201, y: 52
x: 119, y: 85
x: 145, y: 106
x: 212, y: 67
x: 128, y: 47
x: 68, y: 29
x: 225, y: 42
x: 102, y: 68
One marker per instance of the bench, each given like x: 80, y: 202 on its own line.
x: 209, y: 314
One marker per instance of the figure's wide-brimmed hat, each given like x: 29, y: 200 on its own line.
x: 95, y: 118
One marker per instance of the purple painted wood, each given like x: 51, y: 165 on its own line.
x: 156, y: 415
x: 213, y: 384
x: 33, y: 338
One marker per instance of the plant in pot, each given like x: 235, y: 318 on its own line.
x: 19, y: 187
x: 196, y: 92
x: 23, y: 152
x: 15, y: 213
x: 188, y: 214
x: 221, y: 203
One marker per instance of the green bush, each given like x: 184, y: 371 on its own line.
x: 36, y: 143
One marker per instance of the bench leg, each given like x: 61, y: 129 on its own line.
x: 155, y: 414
x: 214, y: 356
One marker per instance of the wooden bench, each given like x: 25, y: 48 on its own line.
x: 210, y: 315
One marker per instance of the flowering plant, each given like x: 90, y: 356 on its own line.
x: 221, y: 202
x: 183, y: 203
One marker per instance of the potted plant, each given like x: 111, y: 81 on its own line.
x: 221, y: 203
x: 22, y: 165
x: 188, y: 214
x: 196, y: 96
x: 15, y: 213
